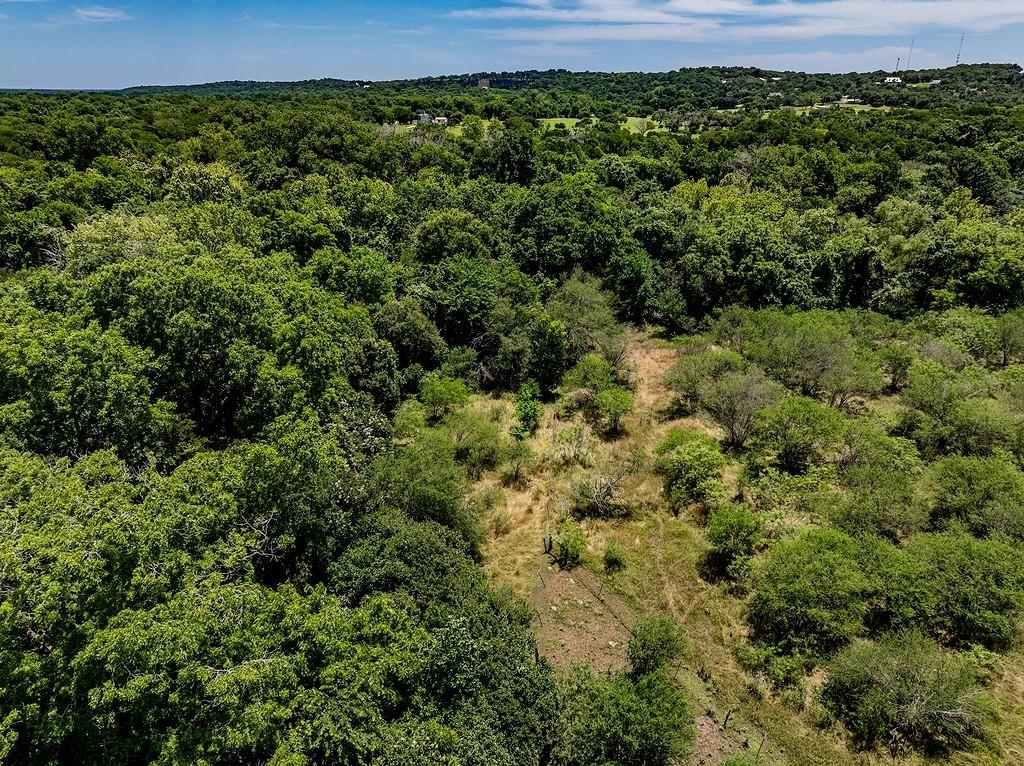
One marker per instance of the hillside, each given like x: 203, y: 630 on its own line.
x: 557, y: 93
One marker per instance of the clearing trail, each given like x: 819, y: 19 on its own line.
x: 584, y: 618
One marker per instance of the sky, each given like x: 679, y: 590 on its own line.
x: 60, y: 44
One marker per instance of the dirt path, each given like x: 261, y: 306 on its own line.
x: 580, y: 620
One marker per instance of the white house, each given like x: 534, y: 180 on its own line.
x: 424, y: 117
x: 440, y: 120
x: 893, y: 80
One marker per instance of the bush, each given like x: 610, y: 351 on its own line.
x: 934, y: 389
x: 440, y: 395
x: 570, y: 544
x: 973, y: 590
x: 857, y: 374
x: 423, y: 479
x: 610, y: 406
x: 986, y: 494
x: 573, y: 446
x: 586, y: 312
x: 600, y: 496
x: 592, y: 373
x: 621, y: 721
x: 520, y: 458
x: 693, y: 471
x: 593, y: 386
x: 693, y: 371
x: 655, y: 643
x: 614, y: 557
x: 528, y: 411
x: 897, y: 359
x: 479, y: 443
x: 811, y: 593
x: 880, y: 475
x: 981, y: 427
x: 734, y: 401
x: 796, y: 433
x: 907, y: 691
x: 734, y: 532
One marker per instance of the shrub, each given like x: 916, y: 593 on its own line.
x: 600, y: 495
x: 973, y: 590
x: 610, y: 406
x: 880, y: 475
x: 655, y: 643
x: 519, y: 457
x: 440, y: 395
x: 622, y: 721
x: 693, y: 471
x: 986, y: 494
x: 423, y: 479
x: 586, y: 312
x: 907, y: 691
x: 501, y: 523
x: 981, y: 427
x: 857, y: 374
x: 528, y: 411
x: 796, y: 433
x: 573, y: 446
x: 897, y: 359
x: 592, y: 385
x: 734, y: 401
x: 570, y: 544
x: 693, y: 371
x: 934, y: 389
x: 479, y: 443
x: 811, y: 593
x: 592, y: 373
x: 614, y: 557
x: 734, y: 532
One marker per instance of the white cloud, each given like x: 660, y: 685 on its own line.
x: 575, y: 21
x: 96, y: 14
x: 880, y: 58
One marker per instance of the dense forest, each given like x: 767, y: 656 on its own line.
x: 297, y: 408
x: 560, y: 93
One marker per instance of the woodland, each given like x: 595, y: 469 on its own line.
x: 612, y: 423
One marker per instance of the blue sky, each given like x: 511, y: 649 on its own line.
x: 54, y: 43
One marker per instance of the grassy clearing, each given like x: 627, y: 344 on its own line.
x: 632, y: 124
x: 580, y: 616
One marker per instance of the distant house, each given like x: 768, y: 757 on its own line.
x: 848, y: 100
x: 440, y: 120
x: 935, y: 82
x: 484, y: 84
x: 893, y: 80
x: 425, y: 118
x: 775, y: 94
